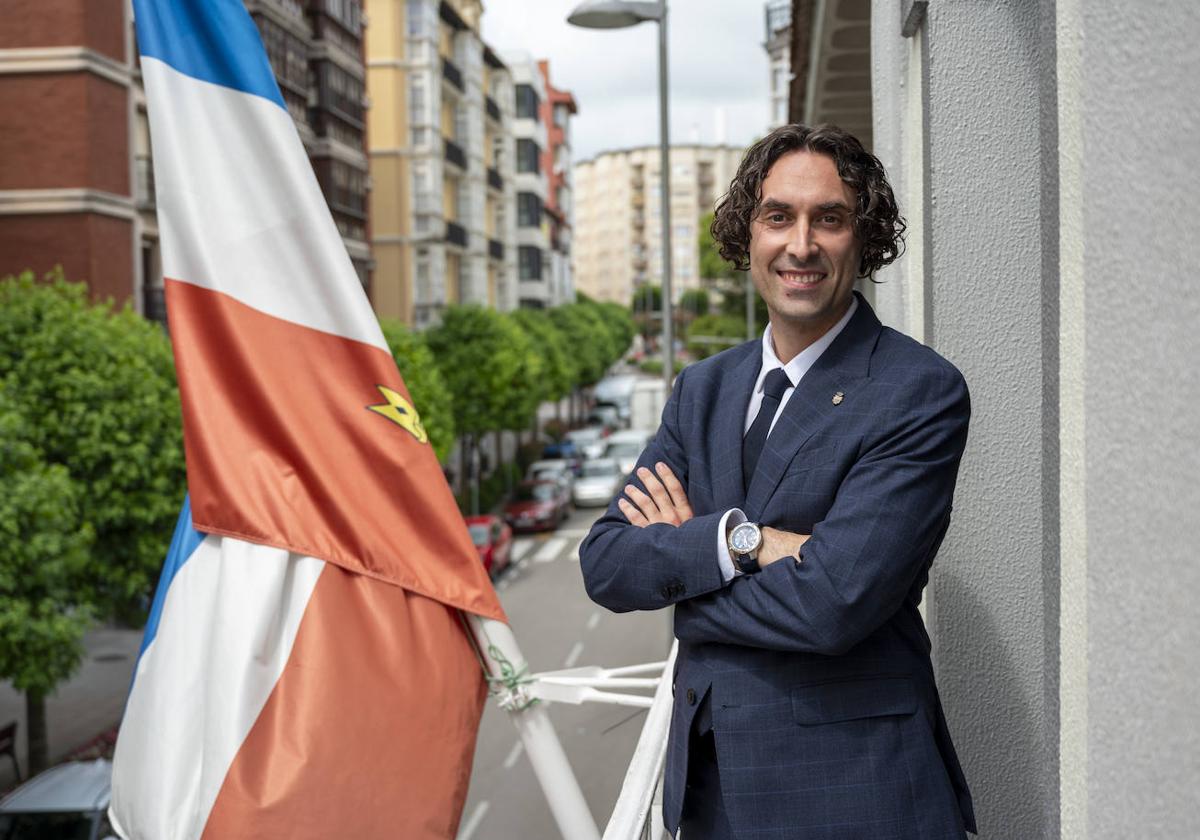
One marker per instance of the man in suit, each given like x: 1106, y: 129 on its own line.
x: 789, y: 508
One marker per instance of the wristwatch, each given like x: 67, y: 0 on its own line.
x: 744, y: 542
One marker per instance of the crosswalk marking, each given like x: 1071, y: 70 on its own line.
x: 513, y: 755
x: 521, y: 548
x: 473, y: 822
x: 550, y: 550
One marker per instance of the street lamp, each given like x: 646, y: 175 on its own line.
x: 617, y: 14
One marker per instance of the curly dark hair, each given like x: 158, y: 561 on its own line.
x: 877, y: 221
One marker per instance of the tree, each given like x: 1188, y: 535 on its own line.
x: 714, y: 326
x: 483, y: 358
x: 712, y: 265
x: 559, y: 369
x: 716, y: 273
x: 97, y: 386
x: 589, y: 346
x: 694, y: 302
x: 426, y: 386
x: 44, y: 555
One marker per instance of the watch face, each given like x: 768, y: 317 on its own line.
x: 744, y: 538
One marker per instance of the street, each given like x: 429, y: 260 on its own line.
x: 558, y: 627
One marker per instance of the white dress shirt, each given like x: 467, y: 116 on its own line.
x: 795, y: 370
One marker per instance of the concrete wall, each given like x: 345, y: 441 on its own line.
x: 1046, y: 157
x: 1140, y: 124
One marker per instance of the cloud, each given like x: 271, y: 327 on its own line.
x: 716, y: 63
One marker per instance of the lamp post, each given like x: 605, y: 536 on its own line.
x: 617, y: 14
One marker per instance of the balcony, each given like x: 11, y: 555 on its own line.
x: 456, y: 234
x: 495, y: 249
x: 452, y: 74
x: 493, y: 110
x: 639, y: 220
x: 455, y: 154
x: 494, y: 179
x: 639, y: 200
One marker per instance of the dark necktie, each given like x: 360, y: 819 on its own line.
x: 752, y: 445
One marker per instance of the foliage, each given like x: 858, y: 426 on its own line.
x: 43, y: 555
x: 715, y: 326
x: 694, y: 302
x: 588, y: 340
x: 425, y: 384
x: 654, y: 366
x: 484, y: 360
x: 559, y: 370
x: 620, y: 321
x: 646, y: 299
x: 97, y: 388
x: 712, y: 265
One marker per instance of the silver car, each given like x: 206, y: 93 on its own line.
x: 70, y: 800
x: 599, y: 483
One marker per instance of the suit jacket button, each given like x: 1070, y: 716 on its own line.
x: 691, y: 696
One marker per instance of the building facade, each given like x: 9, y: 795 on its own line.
x: 778, y: 16
x: 441, y: 161
x: 533, y: 183
x: 556, y: 113
x: 77, y: 171
x: 618, y: 237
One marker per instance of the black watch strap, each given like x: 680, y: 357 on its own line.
x: 746, y: 563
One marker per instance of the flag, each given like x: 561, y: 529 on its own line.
x: 305, y: 672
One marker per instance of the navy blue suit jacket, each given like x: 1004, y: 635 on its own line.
x: 824, y: 710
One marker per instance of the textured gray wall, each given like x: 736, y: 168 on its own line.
x: 1141, y: 180
x: 990, y: 261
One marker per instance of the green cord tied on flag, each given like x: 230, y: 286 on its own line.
x: 510, y: 685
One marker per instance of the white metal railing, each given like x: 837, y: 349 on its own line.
x: 636, y: 815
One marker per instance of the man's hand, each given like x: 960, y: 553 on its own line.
x: 666, y: 503
x: 777, y: 545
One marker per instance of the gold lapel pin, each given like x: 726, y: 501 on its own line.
x: 838, y: 397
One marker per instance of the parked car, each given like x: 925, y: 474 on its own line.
x: 599, y: 483
x: 616, y: 391
x: 493, y: 539
x: 69, y: 801
x: 606, y: 415
x: 565, y: 450
x: 589, y: 440
x: 626, y: 448
x: 553, y: 469
x: 537, y: 505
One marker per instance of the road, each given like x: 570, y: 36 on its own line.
x: 558, y: 627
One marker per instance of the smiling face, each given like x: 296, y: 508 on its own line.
x: 804, y: 254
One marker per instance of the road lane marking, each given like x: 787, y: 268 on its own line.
x: 574, y: 655
x: 550, y: 550
x: 594, y: 621
x: 521, y: 548
x: 513, y: 755
x: 577, y: 533
x: 472, y: 824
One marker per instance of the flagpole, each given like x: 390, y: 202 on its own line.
x: 507, y: 666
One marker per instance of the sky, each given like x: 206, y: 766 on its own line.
x: 716, y: 61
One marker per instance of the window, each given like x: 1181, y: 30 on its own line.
x: 527, y: 156
x: 529, y: 262
x: 527, y: 102
x: 529, y: 210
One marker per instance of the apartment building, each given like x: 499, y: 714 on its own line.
x: 618, y: 232
x: 77, y: 170
x: 778, y: 15
x: 441, y: 158
x: 556, y: 112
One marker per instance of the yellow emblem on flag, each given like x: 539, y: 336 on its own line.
x: 401, y: 412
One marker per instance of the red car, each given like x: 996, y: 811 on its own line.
x: 493, y: 539
x: 538, y: 505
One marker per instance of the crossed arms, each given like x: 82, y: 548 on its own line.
x: 851, y: 574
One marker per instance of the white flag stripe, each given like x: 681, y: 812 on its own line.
x: 269, y: 240
x: 227, y: 628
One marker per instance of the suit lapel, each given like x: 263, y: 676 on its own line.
x: 842, y: 368
x: 730, y: 418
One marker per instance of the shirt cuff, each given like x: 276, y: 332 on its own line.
x: 728, y: 570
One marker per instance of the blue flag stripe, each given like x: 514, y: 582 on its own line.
x: 212, y: 40
x: 184, y: 542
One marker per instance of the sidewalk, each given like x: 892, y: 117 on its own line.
x: 85, y: 706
